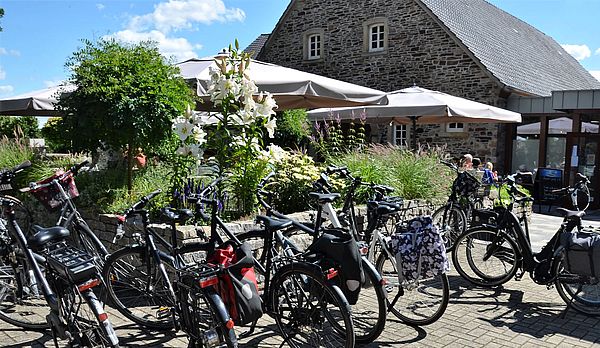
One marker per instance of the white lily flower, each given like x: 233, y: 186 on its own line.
x: 270, y: 126
x: 183, y: 128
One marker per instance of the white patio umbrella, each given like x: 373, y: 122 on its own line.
x: 36, y: 103
x: 561, y: 125
x: 418, y: 105
x: 292, y: 89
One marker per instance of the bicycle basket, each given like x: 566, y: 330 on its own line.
x: 419, y: 249
x: 50, y: 196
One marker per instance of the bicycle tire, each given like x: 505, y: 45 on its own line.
x: 578, y: 292
x: 296, y: 284
x: 490, y: 254
x: 452, y: 221
x: 370, y: 311
x: 20, y: 299
x: 125, y: 274
x: 408, y: 305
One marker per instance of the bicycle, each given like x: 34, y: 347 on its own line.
x: 57, y: 193
x: 63, y: 276
x: 456, y: 215
x: 184, y: 298
x: 490, y: 255
x: 299, y: 289
x: 420, y: 301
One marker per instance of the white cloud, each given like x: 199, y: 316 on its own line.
x: 5, y: 52
x: 100, y: 7
x: 6, y: 89
x: 2, y: 74
x: 175, y: 15
x: 596, y: 74
x: 597, y: 52
x: 179, y: 48
x: 580, y: 52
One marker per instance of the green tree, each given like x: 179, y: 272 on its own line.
x: 1, y: 15
x: 126, y: 98
x: 55, y: 134
x: 27, y: 125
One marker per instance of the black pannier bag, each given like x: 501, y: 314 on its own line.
x: 338, y: 246
x: 582, y: 251
x: 419, y: 249
x: 238, y: 287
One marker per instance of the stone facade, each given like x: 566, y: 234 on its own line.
x: 419, y: 51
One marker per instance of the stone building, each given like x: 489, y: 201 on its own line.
x: 468, y: 48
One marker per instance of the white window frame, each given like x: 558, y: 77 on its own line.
x: 314, y: 52
x: 403, y: 139
x: 377, y: 36
x: 455, y: 127
x: 381, y: 27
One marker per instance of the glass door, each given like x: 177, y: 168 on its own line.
x: 582, y: 157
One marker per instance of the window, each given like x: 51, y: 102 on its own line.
x: 400, y: 135
x: 376, y: 38
x: 314, y: 46
x: 455, y: 127
x: 375, y: 35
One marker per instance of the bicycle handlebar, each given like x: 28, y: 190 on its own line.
x: 9, y: 174
x: 75, y: 169
x: 141, y: 204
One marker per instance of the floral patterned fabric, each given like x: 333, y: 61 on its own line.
x: 465, y: 184
x: 419, y: 249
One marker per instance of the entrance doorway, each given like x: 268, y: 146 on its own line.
x: 582, y: 156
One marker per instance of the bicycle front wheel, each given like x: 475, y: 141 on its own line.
x: 370, y: 311
x: 419, y: 302
x: 452, y: 222
x: 582, y: 293
x: 486, y: 257
x: 138, y: 289
x: 308, y: 311
x: 21, y: 301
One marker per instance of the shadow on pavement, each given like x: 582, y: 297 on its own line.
x: 131, y: 335
x: 39, y: 342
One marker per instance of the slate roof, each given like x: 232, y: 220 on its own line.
x: 257, y: 45
x: 516, y: 53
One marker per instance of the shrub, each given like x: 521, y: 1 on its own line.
x: 293, y: 129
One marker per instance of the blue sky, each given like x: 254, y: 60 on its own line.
x: 38, y: 36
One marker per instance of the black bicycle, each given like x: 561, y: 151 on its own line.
x: 59, y: 280
x: 491, y: 254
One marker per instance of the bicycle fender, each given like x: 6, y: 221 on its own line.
x: 221, y: 312
x: 368, y: 267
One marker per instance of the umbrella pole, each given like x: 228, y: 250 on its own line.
x: 414, y: 132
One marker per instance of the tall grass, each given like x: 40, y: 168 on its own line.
x: 413, y: 175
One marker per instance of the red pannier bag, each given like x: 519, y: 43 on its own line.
x: 238, y: 287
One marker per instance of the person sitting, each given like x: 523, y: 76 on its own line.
x: 489, y: 176
x: 467, y: 162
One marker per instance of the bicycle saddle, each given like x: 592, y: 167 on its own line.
x: 273, y: 224
x: 385, y: 208
x: 176, y: 215
x: 566, y: 213
x: 44, y: 236
x: 324, y: 197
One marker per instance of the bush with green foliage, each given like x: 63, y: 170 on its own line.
x: 413, y: 175
x: 332, y: 137
x: 293, y: 129
x: 55, y: 134
x: 19, y: 126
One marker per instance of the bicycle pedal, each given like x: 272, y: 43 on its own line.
x: 519, y: 276
x: 163, y: 312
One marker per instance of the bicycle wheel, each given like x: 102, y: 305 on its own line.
x: 308, y: 311
x: 486, y: 257
x: 580, y: 292
x: 93, y: 324
x: 452, y: 222
x: 21, y: 302
x: 370, y: 311
x: 420, y: 302
x: 138, y: 289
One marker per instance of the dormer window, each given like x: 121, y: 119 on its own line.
x: 376, y: 38
x: 375, y: 35
x: 314, y: 46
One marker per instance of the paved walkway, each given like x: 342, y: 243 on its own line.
x: 520, y: 314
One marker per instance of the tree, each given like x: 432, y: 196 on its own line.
x: 126, y: 97
x: 55, y: 134
x: 1, y: 15
x: 10, y: 125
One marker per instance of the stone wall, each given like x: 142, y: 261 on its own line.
x: 419, y: 52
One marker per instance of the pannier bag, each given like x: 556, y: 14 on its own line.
x: 238, y: 287
x: 582, y: 253
x: 419, y: 249
x: 465, y: 184
x: 339, y: 246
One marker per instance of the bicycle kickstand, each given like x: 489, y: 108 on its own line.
x: 250, y: 331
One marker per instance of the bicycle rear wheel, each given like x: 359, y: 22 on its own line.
x: 138, y: 289
x: 582, y: 293
x: 93, y: 324
x: 486, y: 257
x: 452, y: 222
x: 308, y: 311
x: 21, y: 302
x: 420, y: 302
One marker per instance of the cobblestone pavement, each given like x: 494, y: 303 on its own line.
x: 520, y: 314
